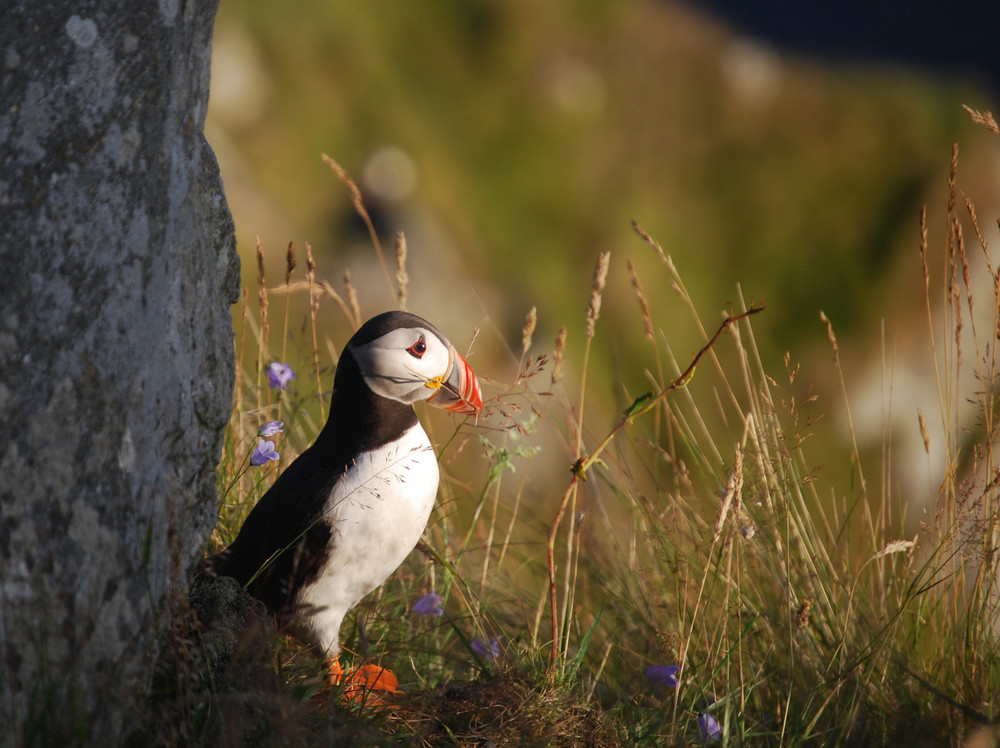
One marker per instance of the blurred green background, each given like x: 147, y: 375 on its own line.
x: 512, y: 142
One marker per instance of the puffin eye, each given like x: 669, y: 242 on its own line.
x: 418, y: 349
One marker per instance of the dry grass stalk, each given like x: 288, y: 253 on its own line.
x: 831, y: 336
x: 923, y: 250
x: 352, y: 298
x: 733, y: 494
x: 313, y: 309
x: 402, y: 279
x: 896, y: 546
x: 597, y: 292
x: 265, y: 325
x: 983, y: 118
x: 640, y: 295
x: 664, y: 257
x: 558, y: 621
x: 559, y: 624
x: 847, y: 409
x: 289, y: 261
x: 261, y: 286
x: 979, y: 235
x: 289, y: 269
x: 318, y: 291
x: 803, y: 614
x: 557, y: 355
x: 528, y: 331
x: 359, y: 206
x: 239, y: 346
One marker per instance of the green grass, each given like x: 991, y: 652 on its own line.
x: 691, y: 529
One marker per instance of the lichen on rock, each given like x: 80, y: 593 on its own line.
x: 116, y: 365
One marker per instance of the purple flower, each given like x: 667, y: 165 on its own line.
x: 664, y: 675
x: 279, y: 375
x: 487, y: 652
x: 428, y: 605
x: 265, y: 452
x: 709, y: 727
x: 271, y: 428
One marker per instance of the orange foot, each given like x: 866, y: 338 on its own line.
x: 364, y: 684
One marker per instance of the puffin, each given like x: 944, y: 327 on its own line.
x: 346, y: 513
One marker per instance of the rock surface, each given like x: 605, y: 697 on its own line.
x: 116, y: 363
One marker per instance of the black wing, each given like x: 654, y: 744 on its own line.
x: 284, y: 541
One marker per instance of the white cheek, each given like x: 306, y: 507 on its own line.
x: 434, y: 364
x: 393, y: 372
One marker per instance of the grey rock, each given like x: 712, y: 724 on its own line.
x: 116, y: 366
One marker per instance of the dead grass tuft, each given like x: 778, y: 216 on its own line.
x: 506, y: 709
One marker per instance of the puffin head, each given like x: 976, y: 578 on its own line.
x: 405, y: 358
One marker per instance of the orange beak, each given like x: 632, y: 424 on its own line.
x: 459, y: 391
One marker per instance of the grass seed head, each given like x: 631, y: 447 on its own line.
x: 557, y: 355
x: 402, y: 279
x: 528, y: 330
x: 640, y: 295
x: 597, y: 292
x: 310, y: 262
x: 262, y: 287
x: 803, y: 614
x: 984, y: 118
x: 289, y: 262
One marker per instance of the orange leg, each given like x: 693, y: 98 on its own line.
x: 365, y: 683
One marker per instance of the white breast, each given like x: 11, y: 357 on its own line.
x: 378, y: 512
